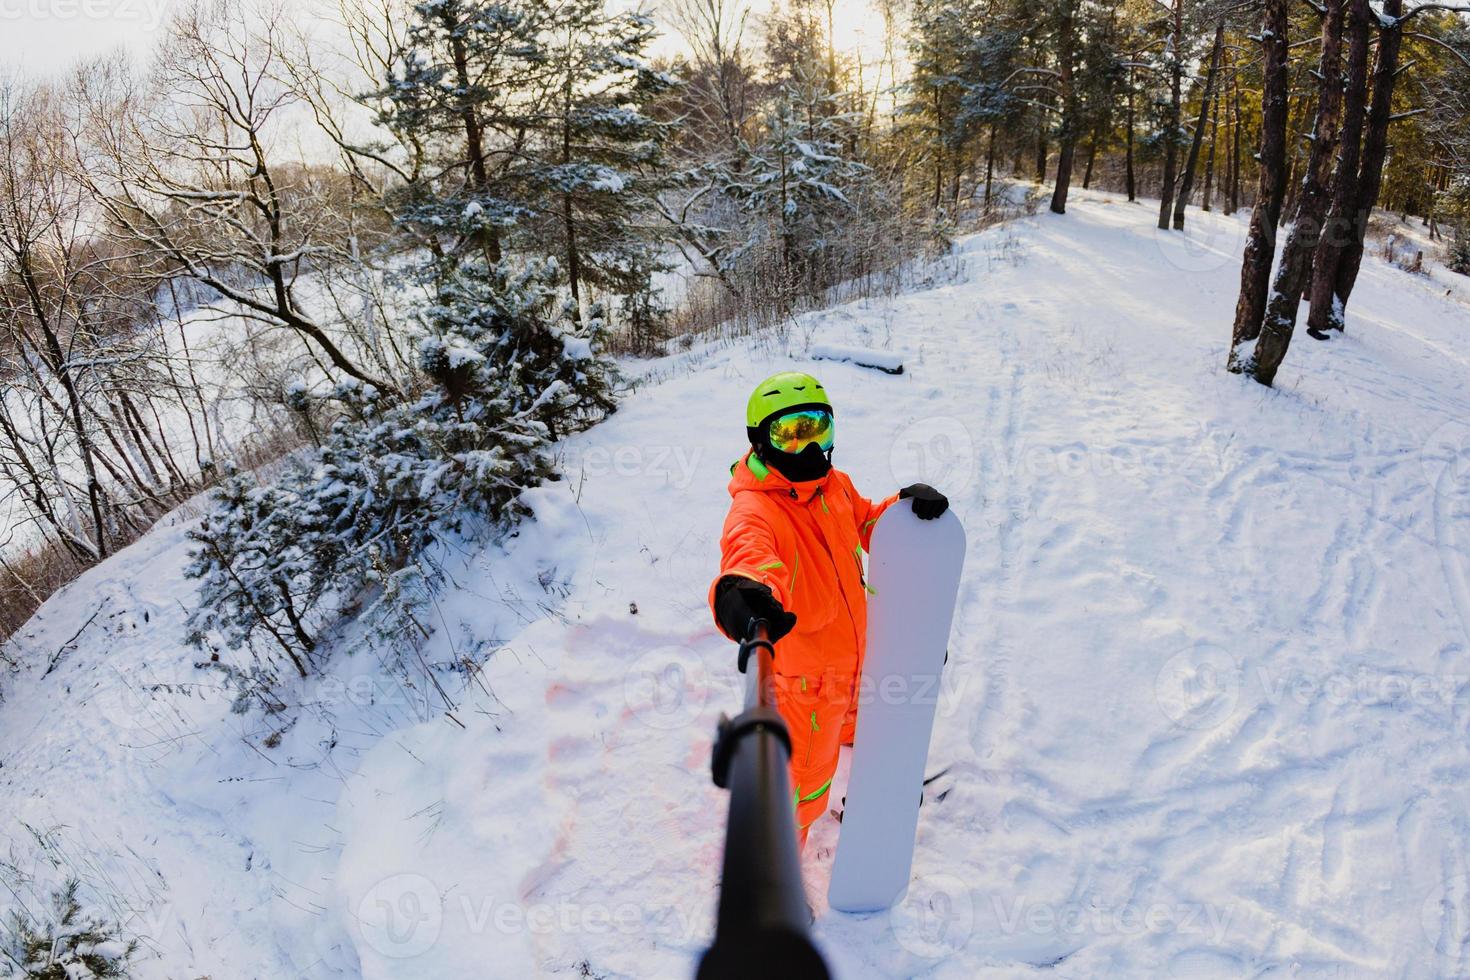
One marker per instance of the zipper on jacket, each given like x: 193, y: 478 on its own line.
x: 857, y: 556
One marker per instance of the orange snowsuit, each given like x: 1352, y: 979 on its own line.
x: 805, y: 541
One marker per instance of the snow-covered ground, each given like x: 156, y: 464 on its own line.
x: 1205, y: 714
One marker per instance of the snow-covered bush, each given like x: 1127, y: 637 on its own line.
x: 1459, y: 258
x: 1454, y: 206
x: 505, y: 370
x: 63, y: 943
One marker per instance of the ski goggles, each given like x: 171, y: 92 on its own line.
x: 794, y: 431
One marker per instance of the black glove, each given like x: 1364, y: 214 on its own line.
x: 928, y: 502
x: 739, y: 600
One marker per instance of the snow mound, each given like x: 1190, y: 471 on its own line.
x: 889, y: 362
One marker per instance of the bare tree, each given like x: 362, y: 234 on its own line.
x: 721, y: 88
x: 94, y: 401
x: 187, y: 165
x: 1207, y: 196
x: 40, y: 214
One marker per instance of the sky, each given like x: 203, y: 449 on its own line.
x: 46, y: 36
x: 42, y: 37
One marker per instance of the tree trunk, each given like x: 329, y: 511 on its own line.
x: 1091, y: 162
x: 1312, y: 202
x: 568, y: 212
x: 989, y: 166
x: 1260, y: 246
x: 1186, y: 186
x: 831, y: 50
x: 1129, y: 177
x: 34, y: 487
x: 56, y: 361
x: 1041, y: 152
x: 1064, y: 176
x: 1375, y: 152
x: 1206, y: 197
x: 1066, y: 52
x: 938, y: 152
x: 473, y: 135
x: 1175, y: 117
x: 1326, y: 312
x: 1235, y: 165
x: 1295, y: 123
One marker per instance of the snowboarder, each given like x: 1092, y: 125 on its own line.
x: 791, y: 554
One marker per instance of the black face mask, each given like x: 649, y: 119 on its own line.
x: 809, y: 464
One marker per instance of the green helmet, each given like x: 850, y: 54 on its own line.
x: 781, y: 392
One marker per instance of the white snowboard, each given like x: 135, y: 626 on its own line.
x: 914, y: 571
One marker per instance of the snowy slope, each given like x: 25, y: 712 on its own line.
x: 1205, y: 712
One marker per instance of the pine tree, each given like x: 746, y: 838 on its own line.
x: 528, y: 127
x: 602, y: 154
x: 944, y: 34
x: 476, y: 83
x: 796, y: 181
x: 459, y: 99
x: 68, y: 945
x: 249, y: 547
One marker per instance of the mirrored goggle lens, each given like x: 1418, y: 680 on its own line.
x: 794, y: 432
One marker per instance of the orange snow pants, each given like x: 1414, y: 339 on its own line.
x: 820, y: 712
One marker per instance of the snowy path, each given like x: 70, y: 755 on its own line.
x: 1205, y: 713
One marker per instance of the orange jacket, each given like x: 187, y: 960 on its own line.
x: 804, y: 540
